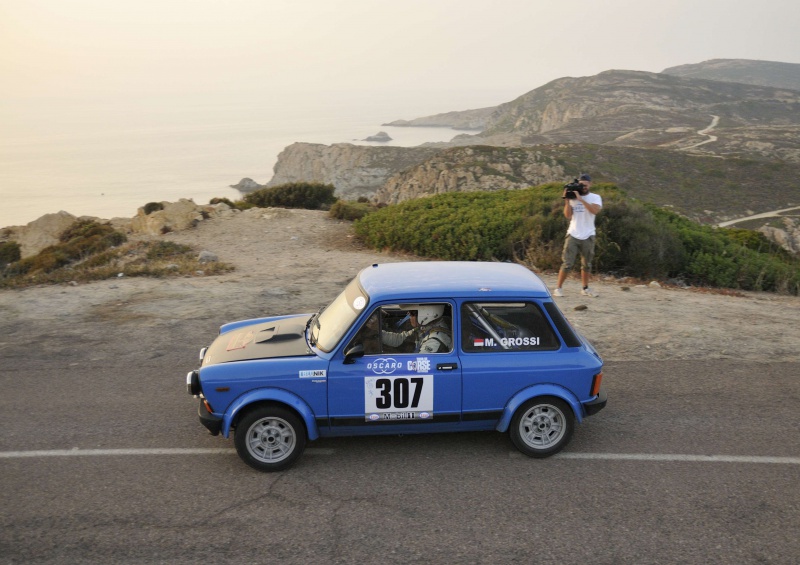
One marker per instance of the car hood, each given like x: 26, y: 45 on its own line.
x: 278, y: 338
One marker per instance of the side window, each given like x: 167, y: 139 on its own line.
x: 517, y: 326
x: 369, y: 335
x: 407, y: 328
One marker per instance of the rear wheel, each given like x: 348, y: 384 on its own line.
x: 270, y: 438
x: 542, y: 426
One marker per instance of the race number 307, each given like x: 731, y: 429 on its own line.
x: 398, y: 394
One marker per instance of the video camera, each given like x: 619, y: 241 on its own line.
x: 572, y: 188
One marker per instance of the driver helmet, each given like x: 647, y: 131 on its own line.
x: 427, y: 313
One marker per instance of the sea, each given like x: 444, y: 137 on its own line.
x: 107, y: 158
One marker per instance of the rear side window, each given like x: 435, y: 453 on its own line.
x: 517, y: 326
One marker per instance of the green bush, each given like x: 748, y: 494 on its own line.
x: 528, y: 226
x: 9, y: 253
x: 311, y: 196
x: 151, y: 207
x: 164, y: 249
x: 79, y: 241
x: 350, y: 211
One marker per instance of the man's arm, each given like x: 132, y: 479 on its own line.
x: 567, y: 210
x: 593, y: 209
x: 395, y: 339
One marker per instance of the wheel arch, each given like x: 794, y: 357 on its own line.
x: 533, y: 392
x: 265, y: 397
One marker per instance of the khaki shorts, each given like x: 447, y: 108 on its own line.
x: 573, y: 247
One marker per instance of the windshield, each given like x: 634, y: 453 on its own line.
x: 329, y: 326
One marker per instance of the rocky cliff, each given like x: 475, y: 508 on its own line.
x: 713, y: 150
x: 463, y: 120
x: 470, y: 169
x: 354, y: 170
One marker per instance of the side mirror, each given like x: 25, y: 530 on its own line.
x: 353, y: 353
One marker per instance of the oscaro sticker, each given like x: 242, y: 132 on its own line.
x: 359, y: 303
x: 317, y: 374
x: 384, y: 366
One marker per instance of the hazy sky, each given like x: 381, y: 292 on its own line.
x: 486, y: 51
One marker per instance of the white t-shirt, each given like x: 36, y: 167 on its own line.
x: 581, y: 226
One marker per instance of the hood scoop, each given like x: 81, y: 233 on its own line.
x: 283, y: 330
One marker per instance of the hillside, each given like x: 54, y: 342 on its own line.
x: 691, y: 185
x: 711, y: 148
x: 761, y: 73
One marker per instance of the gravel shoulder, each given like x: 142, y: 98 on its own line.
x: 298, y: 260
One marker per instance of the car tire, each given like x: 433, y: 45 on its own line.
x: 270, y: 438
x: 542, y: 426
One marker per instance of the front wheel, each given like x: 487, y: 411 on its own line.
x: 270, y: 438
x: 542, y: 426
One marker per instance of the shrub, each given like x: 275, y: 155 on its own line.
x: 311, y: 196
x: 218, y: 200
x: 9, y: 253
x: 634, y: 239
x: 79, y: 241
x: 350, y: 211
x: 165, y: 249
x: 151, y: 207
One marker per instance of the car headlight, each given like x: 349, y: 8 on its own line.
x: 193, y: 383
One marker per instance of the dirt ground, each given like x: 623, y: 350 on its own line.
x: 298, y: 260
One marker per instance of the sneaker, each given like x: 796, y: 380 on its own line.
x: 589, y: 292
x: 557, y: 292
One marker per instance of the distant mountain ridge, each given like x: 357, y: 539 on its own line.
x: 713, y: 148
x: 745, y: 71
x: 647, y: 110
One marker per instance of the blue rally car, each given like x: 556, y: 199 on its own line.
x: 405, y: 348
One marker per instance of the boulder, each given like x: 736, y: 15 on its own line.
x: 175, y: 216
x: 42, y: 232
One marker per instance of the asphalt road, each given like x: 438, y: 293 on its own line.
x: 124, y: 473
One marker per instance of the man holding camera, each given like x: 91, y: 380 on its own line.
x: 580, y: 208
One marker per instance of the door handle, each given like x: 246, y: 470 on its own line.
x: 446, y: 366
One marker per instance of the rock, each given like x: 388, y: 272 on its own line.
x: 654, y: 284
x: 581, y: 307
x: 247, y: 185
x: 175, y: 216
x: 381, y: 136
x: 355, y: 170
x: 207, y: 257
x: 788, y: 238
x: 42, y: 232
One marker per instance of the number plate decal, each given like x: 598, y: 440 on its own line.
x: 398, y: 397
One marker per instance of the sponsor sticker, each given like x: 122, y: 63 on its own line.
x: 359, y: 303
x: 239, y: 340
x: 507, y: 342
x: 421, y: 365
x: 314, y: 374
x: 402, y: 397
x: 384, y: 365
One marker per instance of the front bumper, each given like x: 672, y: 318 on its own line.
x: 594, y: 406
x: 212, y: 423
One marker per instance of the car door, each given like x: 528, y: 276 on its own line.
x: 506, y: 347
x: 394, y: 386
